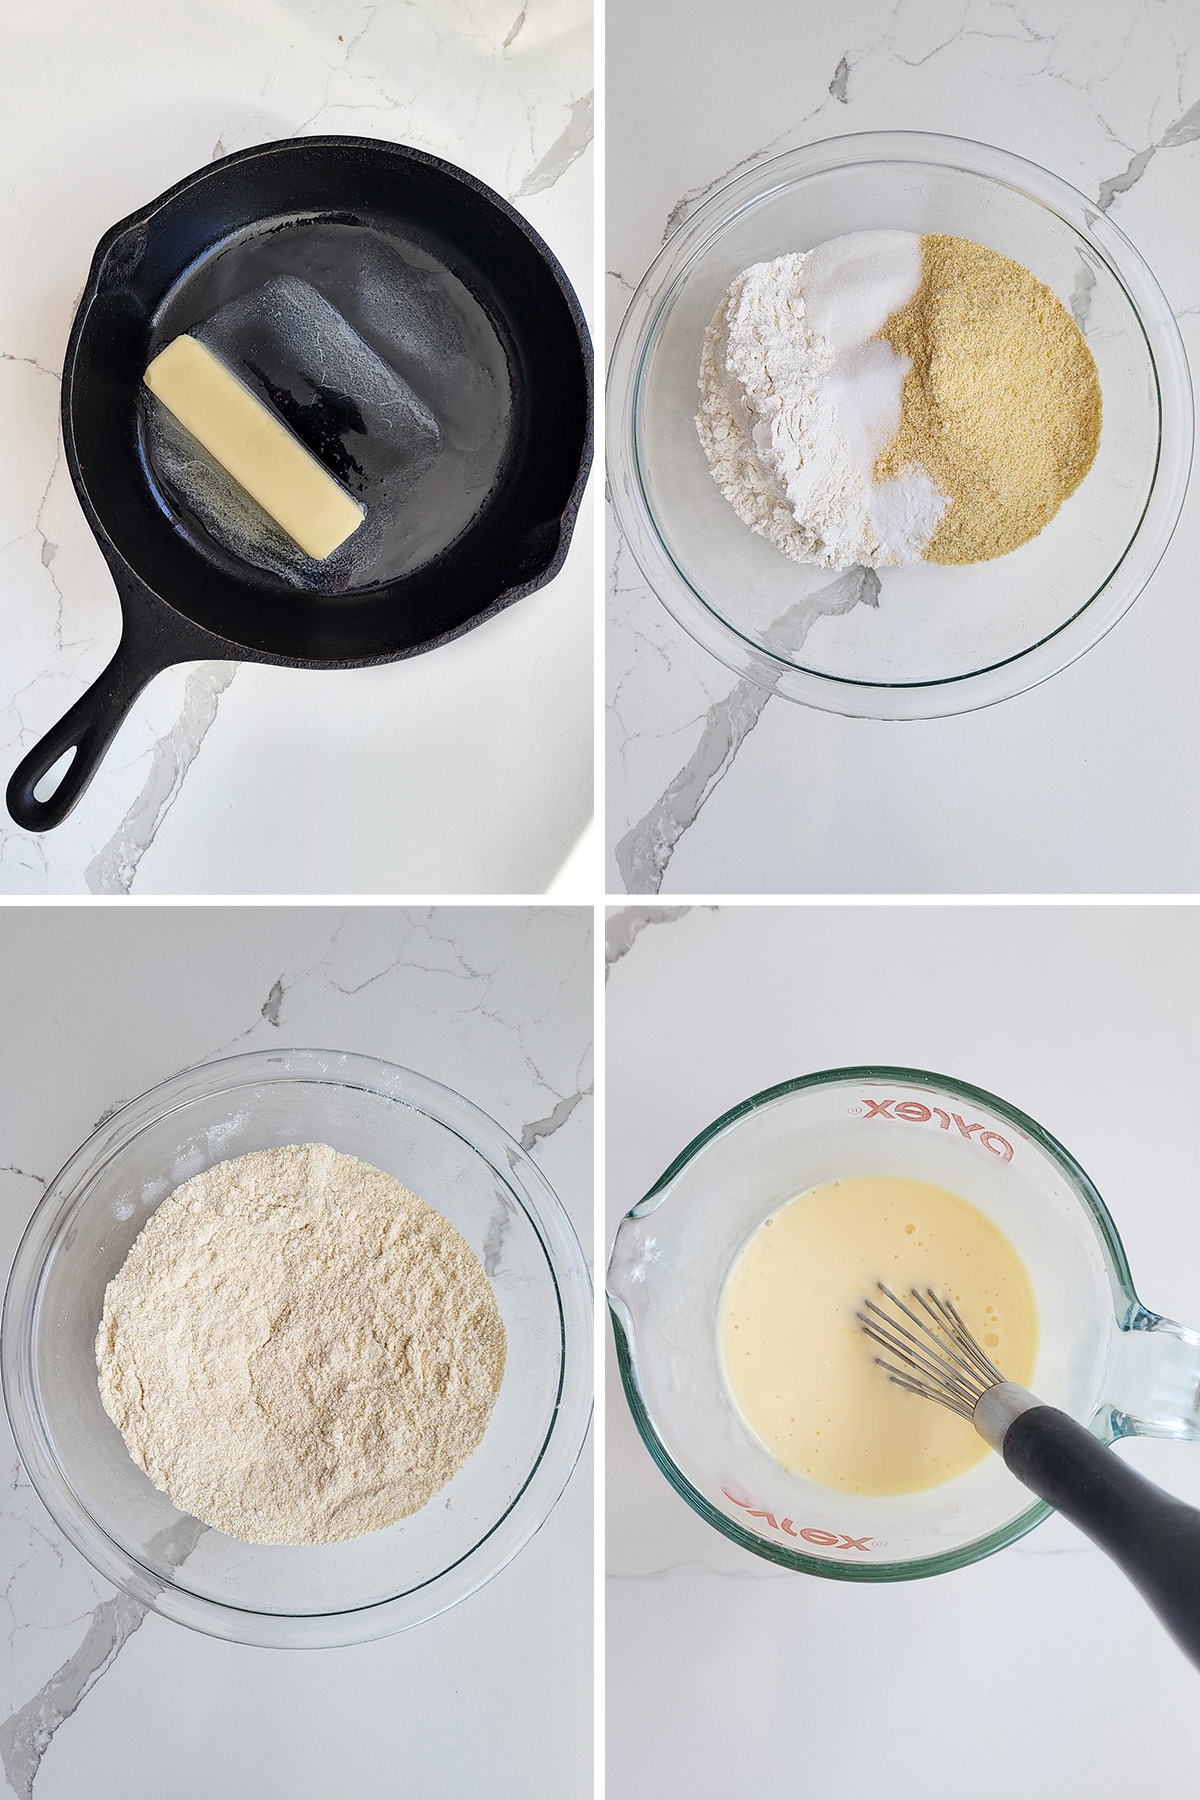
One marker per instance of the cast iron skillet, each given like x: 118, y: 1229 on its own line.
x: 178, y: 606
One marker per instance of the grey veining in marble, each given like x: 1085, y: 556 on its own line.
x: 643, y: 855
x: 626, y: 924
x: 28, y: 1733
x: 572, y: 143
x: 112, y: 869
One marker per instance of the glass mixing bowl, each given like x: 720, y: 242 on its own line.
x: 926, y: 640
x: 459, y: 1161
x: 1102, y: 1356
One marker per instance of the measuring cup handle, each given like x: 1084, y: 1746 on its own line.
x: 1153, y: 1537
x: 1153, y: 1381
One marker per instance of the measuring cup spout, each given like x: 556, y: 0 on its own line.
x: 629, y: 1267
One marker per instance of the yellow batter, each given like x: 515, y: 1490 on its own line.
x: 801, y: 1370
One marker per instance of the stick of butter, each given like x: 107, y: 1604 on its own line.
x: 257, y: 448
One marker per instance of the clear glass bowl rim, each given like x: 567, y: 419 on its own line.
x: 561, y: 1447
x: 1127, y: 1307
x: 1091, y: 621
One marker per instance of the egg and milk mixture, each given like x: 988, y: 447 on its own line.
x: 802, y: 1372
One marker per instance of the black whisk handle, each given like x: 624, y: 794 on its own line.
x: 1153, y: 1537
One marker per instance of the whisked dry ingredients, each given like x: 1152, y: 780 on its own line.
x: 891, y: 398
x: 297, y: 1350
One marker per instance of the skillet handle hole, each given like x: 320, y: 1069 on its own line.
x: 54, y: 774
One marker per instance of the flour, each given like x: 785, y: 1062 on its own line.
x: 297, y: 1350
x: 800, y: 397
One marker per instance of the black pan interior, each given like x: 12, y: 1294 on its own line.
x: 160, y: 274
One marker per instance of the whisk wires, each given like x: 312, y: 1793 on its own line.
x: 944, y: 1363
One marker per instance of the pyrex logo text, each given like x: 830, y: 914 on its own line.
x: 829, y: 1540
x: 919, y: 1114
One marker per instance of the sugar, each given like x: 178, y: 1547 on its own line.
x: 866, y: 385
x: 853, y: 284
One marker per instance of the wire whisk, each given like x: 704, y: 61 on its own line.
x: 1153, y: 1537
x: 945, y: 1364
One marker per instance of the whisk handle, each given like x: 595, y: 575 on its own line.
x: 1153, y: 1537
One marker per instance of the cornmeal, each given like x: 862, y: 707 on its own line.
x: 1001, y: 401
x: 297, y: 1350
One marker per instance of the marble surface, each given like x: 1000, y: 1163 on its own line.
x: 1038, y: 1671
x: 1063, y: 789
x: 467, y: 770
x: 96, y: 1697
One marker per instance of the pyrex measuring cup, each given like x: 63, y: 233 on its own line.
x: 1102, y: 1357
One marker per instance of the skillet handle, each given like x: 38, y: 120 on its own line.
x: 88, y: 729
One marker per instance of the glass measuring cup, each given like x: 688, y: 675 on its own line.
x: 1103, y: 1357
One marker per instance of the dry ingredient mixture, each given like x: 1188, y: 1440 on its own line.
x: 887, y: 398
x: 297, y: 1350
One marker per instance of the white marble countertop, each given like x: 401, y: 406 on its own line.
x: 1082, y: 785
x: 494, y: 1697
x: 1038, y: 1671
x: 467, y: 770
